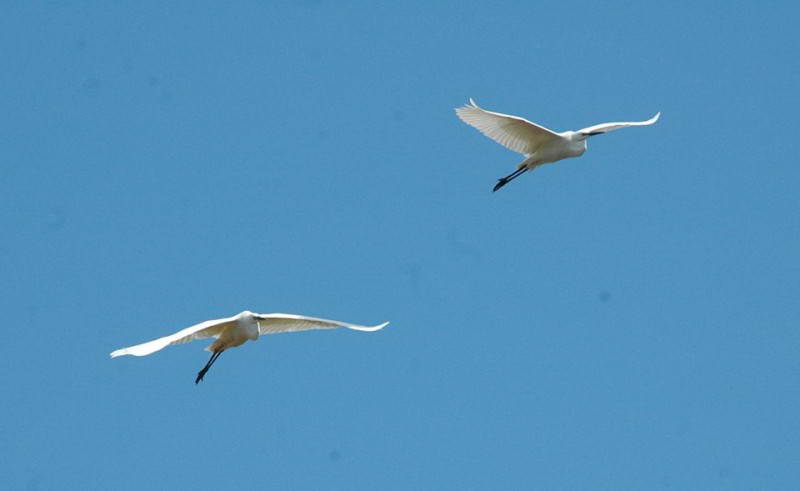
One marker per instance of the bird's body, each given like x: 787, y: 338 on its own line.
x: 538, y: 144
x: 244, y: 328
x: 234, y: 331
x: 569, y: 145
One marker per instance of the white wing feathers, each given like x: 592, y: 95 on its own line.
x: 606, y: 127
x: 207, y: 329
x: 277, y: 323
x: 515, y: 133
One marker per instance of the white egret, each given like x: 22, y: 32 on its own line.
x: 235, y: 331
x: 538, y: 144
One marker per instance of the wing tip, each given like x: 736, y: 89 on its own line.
x: 370, y: 328
x: 470, y: 105
x: 118, y: 352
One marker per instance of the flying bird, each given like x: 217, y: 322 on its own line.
x: 538, y: 144
x: 234, y: 331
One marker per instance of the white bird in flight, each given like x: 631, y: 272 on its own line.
x: 234, y: 331
x: 538, y: 144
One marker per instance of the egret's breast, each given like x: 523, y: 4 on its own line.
x: 251, y: 329
x: 560, y: 149
x: 245, y: 330
x: 576, y: 148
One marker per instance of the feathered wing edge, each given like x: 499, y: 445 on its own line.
x: 513, y: 132
x: 203, y: 330
x: 279, y: 323
x: 606, y: 127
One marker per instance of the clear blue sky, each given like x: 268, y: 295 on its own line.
x: 625, y: 320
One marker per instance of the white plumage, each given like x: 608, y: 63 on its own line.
x: 538, y: 144
x: 236, y: 330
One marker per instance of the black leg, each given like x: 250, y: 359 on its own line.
x: 505, y: 180
x: 211, y: 361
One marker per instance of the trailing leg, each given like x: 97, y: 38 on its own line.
x: 505, y: 180
x: 211, y: 361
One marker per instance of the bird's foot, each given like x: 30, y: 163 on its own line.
x: 500, y: 183
x: 200, y: 376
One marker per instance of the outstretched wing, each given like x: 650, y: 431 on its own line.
x: 606, y: 127
x: 207, y: 329
x: 277, y: 323
x: 513, y: 132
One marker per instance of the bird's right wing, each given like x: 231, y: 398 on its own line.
x: 513, y: 132
x: 207, y: 329
x: 606, y: 127
x: 277, y: 323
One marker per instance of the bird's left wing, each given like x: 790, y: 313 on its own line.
x: 606, y: 127
x: 277, y: 323
x: 513, y: 132
x: 207, y: 329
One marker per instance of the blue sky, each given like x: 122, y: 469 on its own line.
x: 625, y: 320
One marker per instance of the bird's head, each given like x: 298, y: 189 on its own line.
x: 585, y: 136
x: 577, y: 136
